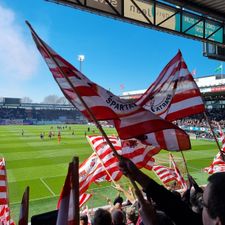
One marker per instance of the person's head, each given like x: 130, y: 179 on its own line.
x: 214, y: 200
x: 132, y: 214
x: 119, y: 200
x: 83, y: 219
x: 102, y: 217
x: 117, y: 217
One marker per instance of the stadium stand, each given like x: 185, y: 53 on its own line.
x: 34, y: 113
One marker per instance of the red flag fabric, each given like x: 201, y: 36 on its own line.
x: 94, y: 168
x: 91, y: 170
x: 3, y: 183
x: 84, y: 198
x: 5, y: 216
x: 66, y: 202
x: 103, y: 104
x: 24, y: 208
x: 180, y: 178
x: 174, y: 94
x: 222, y: 137
x: 138, y: 153
x: 164, y: 173
x: 152, y: 130
x: 218, y: 165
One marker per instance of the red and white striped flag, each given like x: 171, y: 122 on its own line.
x: 180, y: 178
x: 152, y: 130
x: 103, y: 104
x: 4, y: 208
x: 91, y: 170
x: 218, y: 165
x: 106, y: 106
x: 24, y: 208
x: 222, y: 137
x: 174, y: 94
x: 140, y: 154
x: 5, y: 216
x: 84, y: 198
x: 164, y: 173
x: 3, y: 183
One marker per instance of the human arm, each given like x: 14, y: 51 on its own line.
x: 177, y: 210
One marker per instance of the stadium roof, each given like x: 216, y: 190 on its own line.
x: 211, y: 8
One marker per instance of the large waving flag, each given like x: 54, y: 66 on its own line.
x: 174, y: 94
x: 103, y: 104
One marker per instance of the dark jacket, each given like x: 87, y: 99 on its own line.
x: 173, y: 206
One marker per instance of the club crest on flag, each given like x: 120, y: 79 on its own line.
x: 159, y: 104
x: 129, y: 143
x: 89, y: 168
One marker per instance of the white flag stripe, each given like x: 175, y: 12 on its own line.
x: 186, y: 104
x: 2, y: 183
x: 3, y: 195
x: 171, y: 143
x: 164, y: 173
x: 132, y: 119
x: 2, y: 172
x: 138, y: 153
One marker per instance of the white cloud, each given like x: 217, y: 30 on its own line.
x: 18, y: 57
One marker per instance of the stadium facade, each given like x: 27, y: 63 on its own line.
x: 212, y: 88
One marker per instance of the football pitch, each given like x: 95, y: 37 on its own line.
x: 42, y: 164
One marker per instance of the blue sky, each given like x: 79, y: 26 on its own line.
x: 115, y: 52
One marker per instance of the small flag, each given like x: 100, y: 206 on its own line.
x: 219, y: 68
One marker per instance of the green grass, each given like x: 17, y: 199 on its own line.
x: 42, y: 164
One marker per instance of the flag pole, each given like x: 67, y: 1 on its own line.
x: 75, y: 186
x: 98, y: 125
x: 214, y: 135
x: 185, y: 162
x: 102, y: 163
x: 78, y: 95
